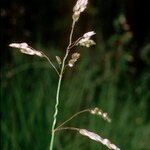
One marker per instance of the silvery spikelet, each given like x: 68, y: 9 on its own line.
x: 26, y: 49
x: 97, y: 138
x: 89, y: 34
x: 79, y: 7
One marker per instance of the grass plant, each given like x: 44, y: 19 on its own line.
x: 33, y: 114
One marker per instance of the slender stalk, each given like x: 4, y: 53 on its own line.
x: 68, y: 128
x: 73, y: 116
x: 58, y: 88
x: 51, y: 64
x: 74, y: 43
x: 56, y: 112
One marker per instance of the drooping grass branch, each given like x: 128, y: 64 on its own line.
x: 94, y: 111
x: 92, y: 136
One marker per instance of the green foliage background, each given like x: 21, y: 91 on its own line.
x: 104, y: 77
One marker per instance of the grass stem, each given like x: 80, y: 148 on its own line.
x: 58, y: 87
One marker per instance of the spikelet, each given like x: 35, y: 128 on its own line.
x: 86, y: 41
x: 26, y: 49
x: 89, y: 34
x: 74, y: 58
x: 97, y: 138
x: 58, y: 59
x: 99, y: 112
x: 79, y: 7
x: 71, y: 62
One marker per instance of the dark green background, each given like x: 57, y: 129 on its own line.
x: 114, y: 75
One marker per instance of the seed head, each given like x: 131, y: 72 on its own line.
x: 86, y: 41
x: 79, y: 7
x: 74, y: 58
x: 26, y: 49
x: 99, y: 112
x: 71, y: 62
x: 89, y: 34
x: 98, y: 138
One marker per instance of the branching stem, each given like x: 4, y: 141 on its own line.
x: 58, y: 88
x: 73, y: 116
x: 51, y: 63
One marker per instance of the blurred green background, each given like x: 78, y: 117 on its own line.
x: 114, y: 75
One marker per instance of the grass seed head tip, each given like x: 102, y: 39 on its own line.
x: 79, y: 7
